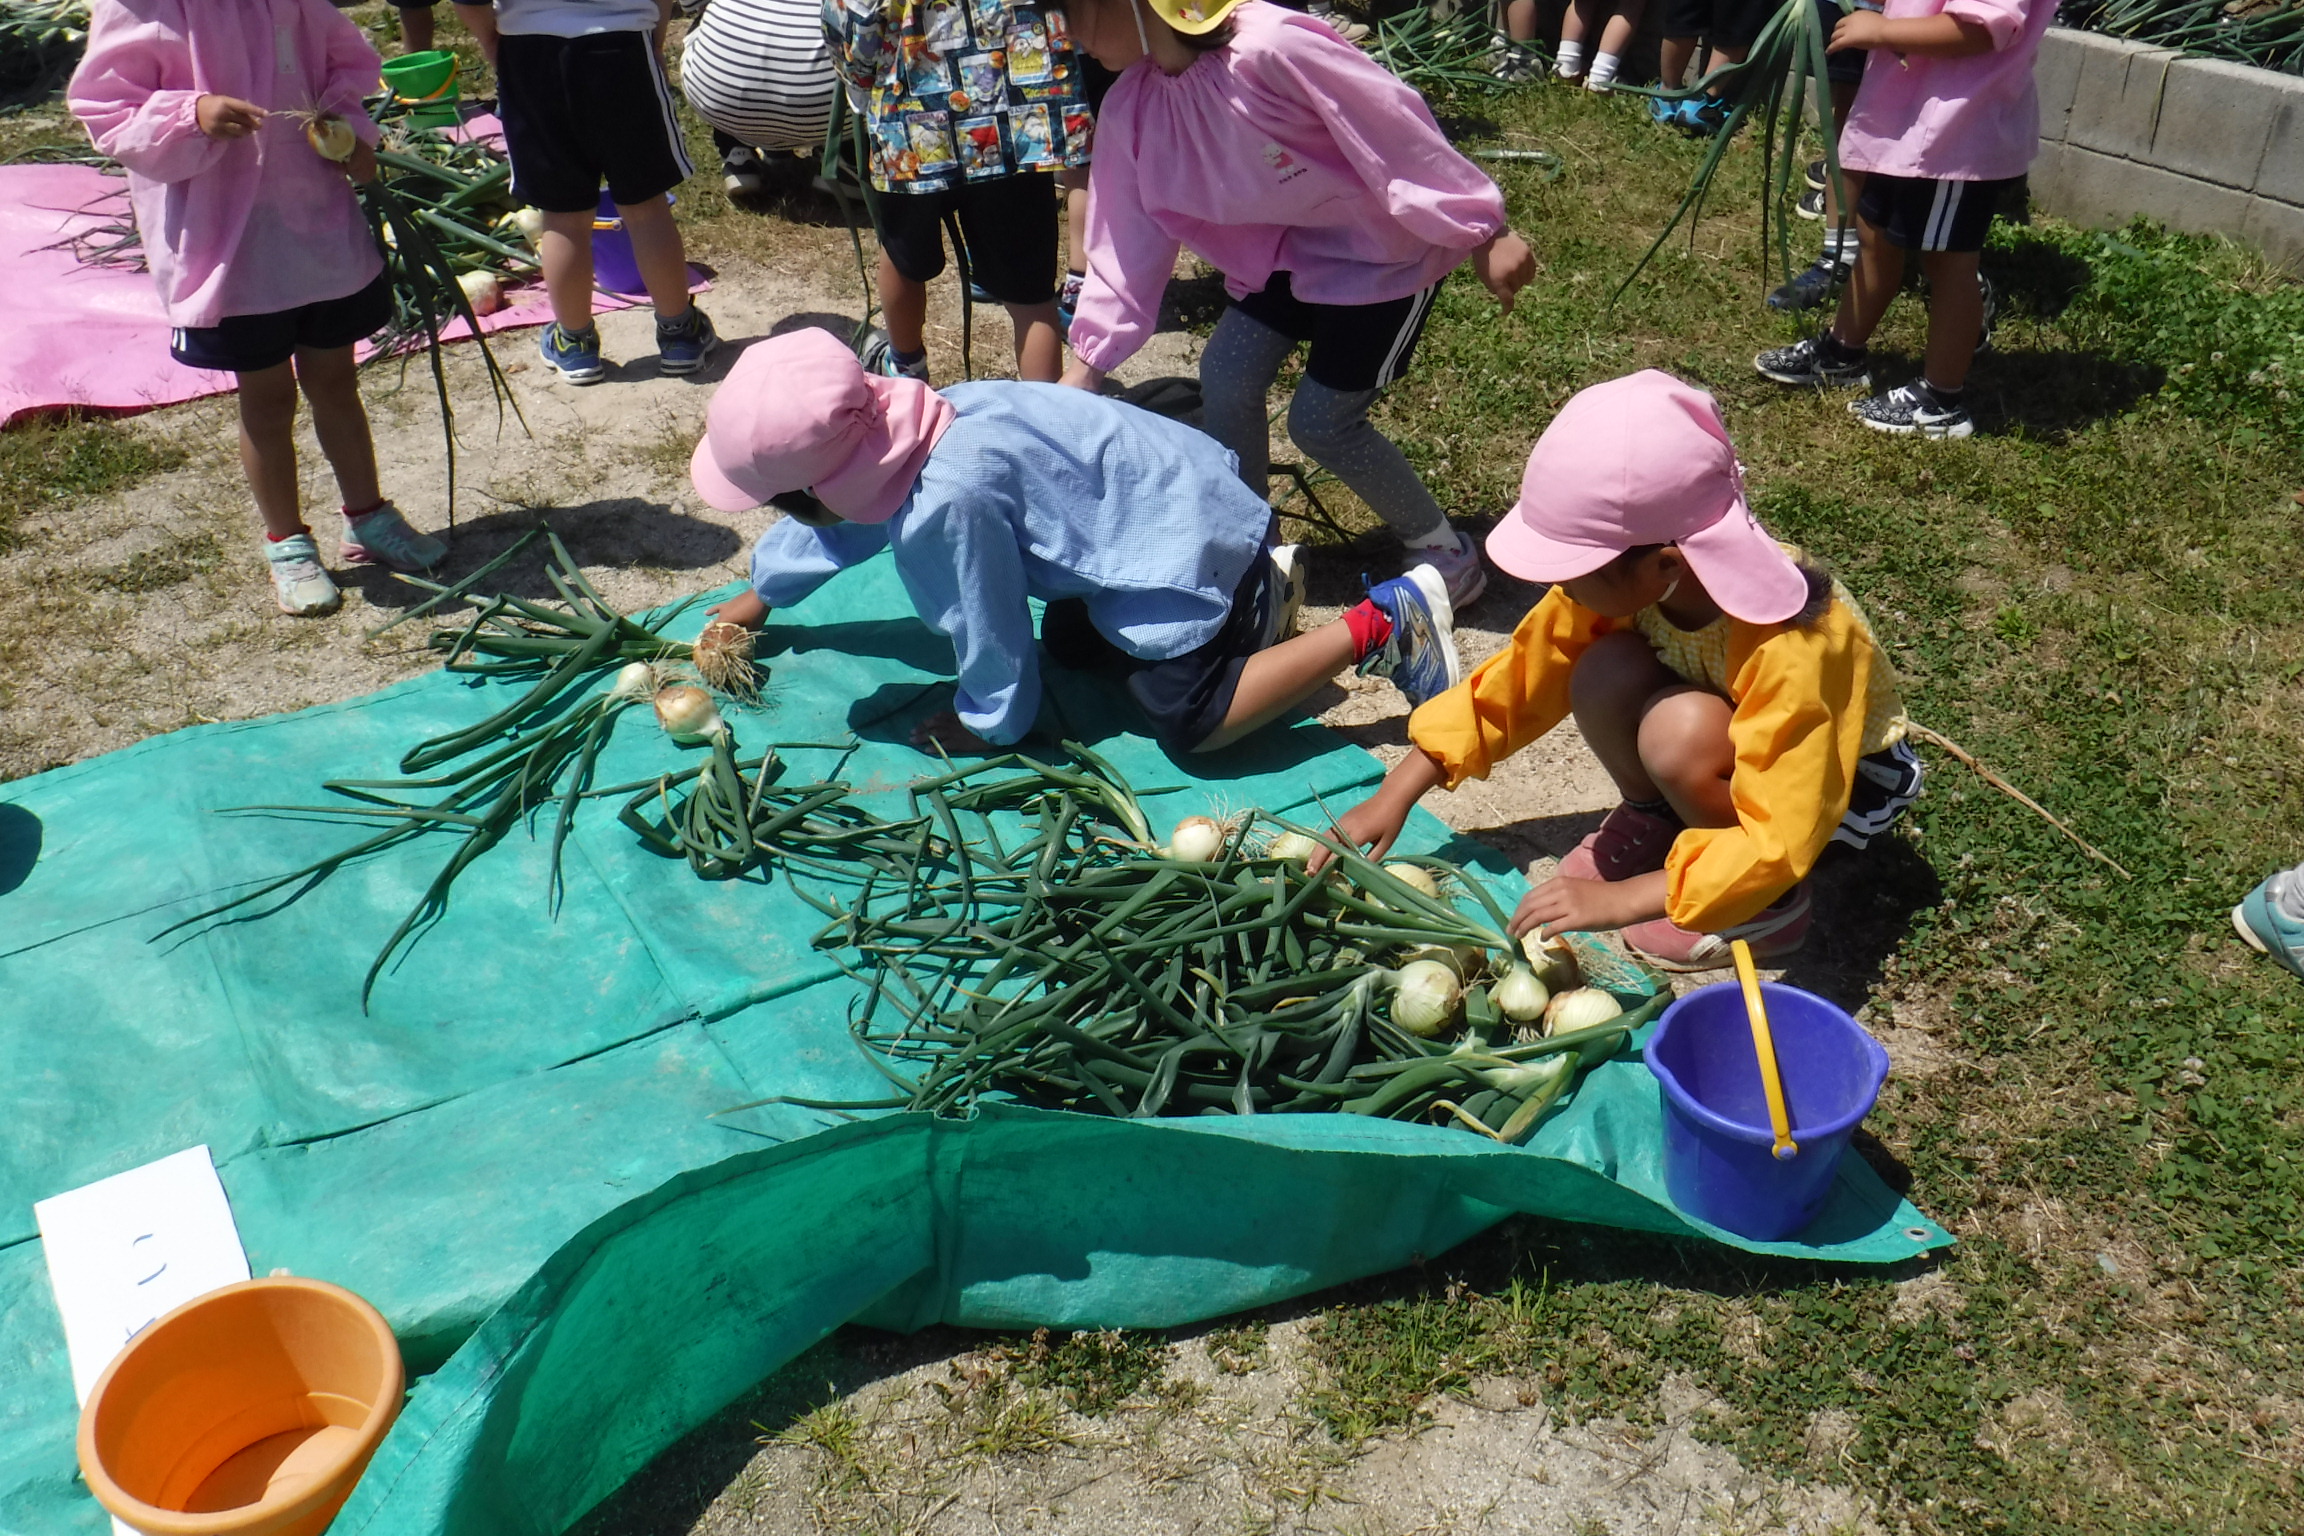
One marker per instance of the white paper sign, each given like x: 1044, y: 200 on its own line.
x: 125, y: 1250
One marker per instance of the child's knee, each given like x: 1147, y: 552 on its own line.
x: 1323, y: 422
x: 1616, y: 674
x: 1684, y: 737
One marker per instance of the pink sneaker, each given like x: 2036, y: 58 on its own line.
x: 1777, y: 932
x: 1628, y: 843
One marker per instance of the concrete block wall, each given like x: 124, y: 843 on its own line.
x: 2197, y: 144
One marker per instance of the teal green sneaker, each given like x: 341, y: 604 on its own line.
x: 2265, y: 924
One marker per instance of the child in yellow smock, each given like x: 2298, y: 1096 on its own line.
x: 1733, y: 691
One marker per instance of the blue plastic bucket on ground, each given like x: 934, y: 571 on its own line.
x: 1719, y: 1162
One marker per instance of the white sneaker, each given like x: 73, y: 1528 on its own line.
x: 300, y: 584
x: 1289, y: 585
x: 1462, y: 570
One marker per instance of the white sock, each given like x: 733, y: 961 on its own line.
x: 1602, y: 72
x: 1571, y: 65
x: 1840, y: 246
x: 1443, y: 538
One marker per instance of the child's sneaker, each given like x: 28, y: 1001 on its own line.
x: 1814, y: 360
x: 1514, y: 63
x: 878, y: 355
x: 1705, y: 116
x: 1420, y: 653
x: 1290, y: 585
x: 740, y: 172
x: 1811, y: 204
x: 1664, y: 114
x: 1461, y: 569
x: 2264, y: 922
x: 1068, y: 301
x: 1815, y: 175
x: 1775, y: 934
x: 381, y: 536
x: 1629, y: 842
x: 1913, y: 410
x: 1814, y: 284
x: 574, y: 355
x: 683, y: 344
x: 301, y: 586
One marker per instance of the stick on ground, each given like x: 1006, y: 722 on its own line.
x: 2015, y: 794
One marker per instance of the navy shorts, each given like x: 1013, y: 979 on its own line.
x: 1722, y: 23
x: 1184, y: 697
x: 1009, y: 225
x: 578, y: 111
x: 253, y: 343
x: 1354, y: 346
x: 1922, y: 215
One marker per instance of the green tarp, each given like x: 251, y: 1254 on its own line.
x: 510, y: 1151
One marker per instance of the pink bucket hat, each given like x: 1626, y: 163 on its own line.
x: 799, y: 413
x: 1645, y: 459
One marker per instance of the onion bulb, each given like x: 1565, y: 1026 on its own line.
x: 330, y: 136
x: 636, y: 680
x: 723, y: 657
x: 530, y: 223
x: 1580, y: 1008
x: 1295, y: 847
x: 1196, y: 840
x: 1425, y: 995
x: 686, y: 713
x: 1416, y: 875
x: 1521, y: 996
x: 484, y: 291
x: 1553, y: 961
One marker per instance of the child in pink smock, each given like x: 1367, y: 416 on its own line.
x: 1318, y: 183
x: 263, y: 259
x: 1946, y: 120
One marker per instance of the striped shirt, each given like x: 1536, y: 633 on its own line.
x: 760, y: 72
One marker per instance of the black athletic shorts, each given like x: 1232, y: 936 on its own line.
x: 252, y: 343
x: 581, y: 110
x: 1354, y: 346
x: 1847, y: 66
x: 1722, y: 23
x: 1922, y: 215
x: 411, y: 5
x: 1185, y: 698
x: 1009, y: 225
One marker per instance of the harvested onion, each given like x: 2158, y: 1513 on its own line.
x: 686, y: 713
x: 330, y: 136
x: 1416, y: 875
x: 484, y: 291
x: 1295, y: 847
x: 1553, y: 962
x: 1196, y: 840
x: 530, y: 223
x: 1521, y: 996
x: 634, y: 680
x: 1425, y: 995
x: 723, y: 656
x: 1580, y: 1008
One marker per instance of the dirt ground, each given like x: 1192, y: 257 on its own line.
x: 150, y: 611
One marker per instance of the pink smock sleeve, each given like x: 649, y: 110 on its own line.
x: 1386, y: 132
x: 353, y: 67
x: 2004, y: 19
x: 1130, y: 258
x: 134, y: 91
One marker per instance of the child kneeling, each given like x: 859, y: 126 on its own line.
x: 1733, y: 692
x: 1153, y: 558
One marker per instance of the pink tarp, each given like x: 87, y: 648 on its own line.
x: 95, y: 337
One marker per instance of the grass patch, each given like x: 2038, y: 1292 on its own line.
x: 2098, y: 597
x: 1092, y: 1372
x: 62, y: 460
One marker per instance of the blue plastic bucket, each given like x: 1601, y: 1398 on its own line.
x: 613, y: 268
x: 1719, y: 1163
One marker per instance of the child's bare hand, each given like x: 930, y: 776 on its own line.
x: 1081, y: 376
x: 943, y: 729
x: 1371, y: 824
x: 227, y: 117
x: 1859, y: 29
x: 744, y: 608
x: 1506, y: 265
x: 1564, y: 904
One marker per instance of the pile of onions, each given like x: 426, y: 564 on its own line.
x: 1579, y: 1008
x: 1425, y: 997
x: 1196, y: 840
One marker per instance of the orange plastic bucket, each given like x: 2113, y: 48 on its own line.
x: 250, y: 1411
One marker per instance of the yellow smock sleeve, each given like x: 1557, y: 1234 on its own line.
x: 1802, y: 696
x: 1511, y: 698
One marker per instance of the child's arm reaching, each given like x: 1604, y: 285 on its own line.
x: 1130, y: 259
x: 135, y: 92
x: 1946, y: 35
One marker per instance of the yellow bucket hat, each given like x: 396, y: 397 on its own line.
x: 1194, y: 16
